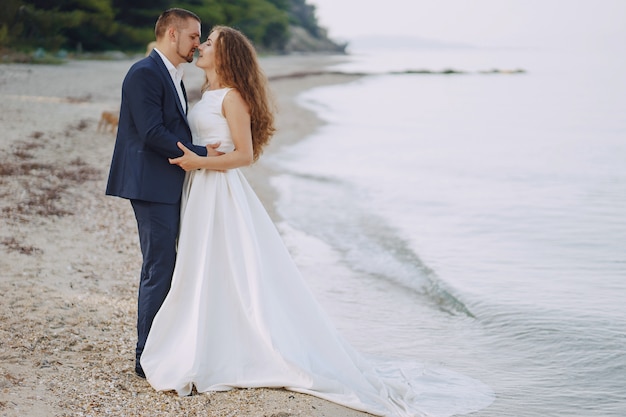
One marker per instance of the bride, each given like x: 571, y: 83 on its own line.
x: 239, y: 314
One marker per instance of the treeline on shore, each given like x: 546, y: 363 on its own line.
x: 77, y: 26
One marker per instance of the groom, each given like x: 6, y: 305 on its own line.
x: 152, y: 120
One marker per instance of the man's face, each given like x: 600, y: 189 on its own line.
x: 188, y: 40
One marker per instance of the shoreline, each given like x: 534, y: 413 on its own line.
x: 70, y: 257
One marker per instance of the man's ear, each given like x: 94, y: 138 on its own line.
x: 171, y: 33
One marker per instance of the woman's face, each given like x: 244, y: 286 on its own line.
x: 206, y: 56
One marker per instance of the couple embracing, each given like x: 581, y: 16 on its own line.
x: 221, y: 303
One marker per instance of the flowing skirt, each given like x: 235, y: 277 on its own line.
x: 240, y: 315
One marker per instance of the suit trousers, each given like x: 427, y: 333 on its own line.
x: 158, y: 225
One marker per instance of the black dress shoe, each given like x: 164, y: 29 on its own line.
x: 139, y: 372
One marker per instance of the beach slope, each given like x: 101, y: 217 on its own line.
x: 69, y: 255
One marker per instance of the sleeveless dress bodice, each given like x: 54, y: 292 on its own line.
x: 207, y: 122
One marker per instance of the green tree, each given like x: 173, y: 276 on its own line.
x: 61, y: 23
x: 261, y: 20
x: 96, y: 25
x: 211, y: 12
x: 10, y: 26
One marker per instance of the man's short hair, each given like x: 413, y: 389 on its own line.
x: 173, y: 17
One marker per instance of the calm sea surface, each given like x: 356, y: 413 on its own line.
x: 473, y: 220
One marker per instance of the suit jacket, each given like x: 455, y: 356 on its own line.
x: 151, y: 121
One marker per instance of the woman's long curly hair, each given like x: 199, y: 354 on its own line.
x: 237, y: 66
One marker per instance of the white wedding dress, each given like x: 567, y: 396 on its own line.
x: 239, y: 314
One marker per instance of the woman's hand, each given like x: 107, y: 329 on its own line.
x: 211, y: 149
x: 189, y: 161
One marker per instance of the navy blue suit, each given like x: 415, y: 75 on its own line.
x: 151, y: 121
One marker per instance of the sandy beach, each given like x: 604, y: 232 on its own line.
x: 69, y: 255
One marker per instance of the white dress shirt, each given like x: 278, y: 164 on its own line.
x: 177, y: 77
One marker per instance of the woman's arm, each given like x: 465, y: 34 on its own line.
x: 237, y: 116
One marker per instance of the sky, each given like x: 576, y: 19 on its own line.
x: 493, y: 23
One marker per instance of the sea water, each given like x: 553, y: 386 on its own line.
x: 475, y: 219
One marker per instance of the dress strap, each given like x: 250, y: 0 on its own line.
x: 224, y: 91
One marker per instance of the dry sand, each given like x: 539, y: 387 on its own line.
x: 69, y: 255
